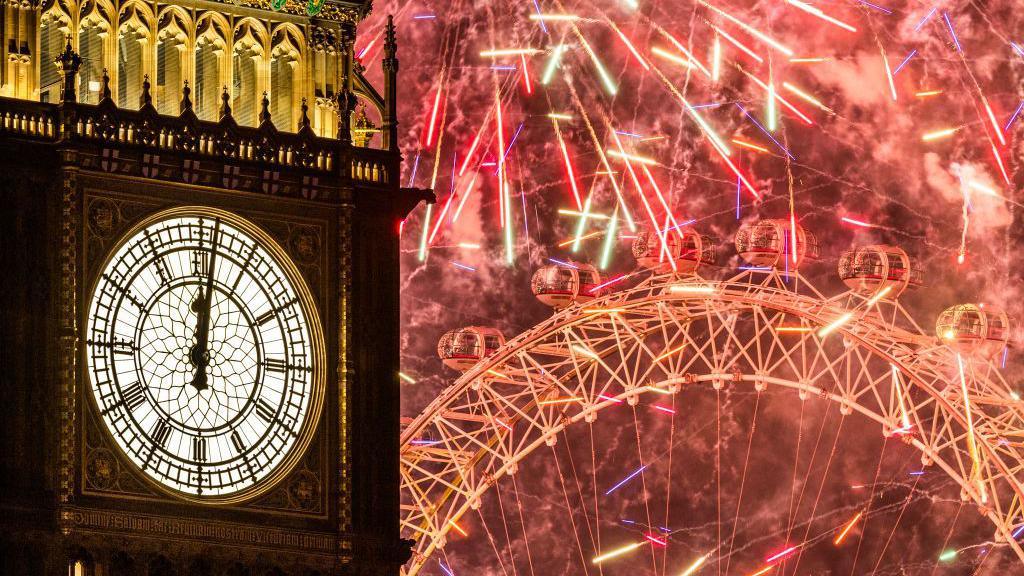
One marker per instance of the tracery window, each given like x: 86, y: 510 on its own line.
x: 91, y: 39
x: 248, y: 72
x: 206, y: 92
x: 170, y: 68
x: 53, y: 31
x: 132, y: 41
x: 284, y: 77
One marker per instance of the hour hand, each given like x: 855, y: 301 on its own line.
x: 199, y: 355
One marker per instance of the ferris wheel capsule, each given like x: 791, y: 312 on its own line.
x: 462, y: 348
x: 684, y: 247
x: 870, y: 269
x: 560, y: 285
x: 770, y: 243
x: 973, y: 328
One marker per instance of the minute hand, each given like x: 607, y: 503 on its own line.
x: 200, y: 355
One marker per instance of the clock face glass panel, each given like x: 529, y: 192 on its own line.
x: 201, y: 354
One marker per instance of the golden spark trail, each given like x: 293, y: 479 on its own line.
x: 836, y: 324
x: 888, y: 75
x: 604, y: 158
x: 606, y: 79
x: 692, y: 568
x: 878, y: 296
x: 971, y: 440
x: 629, y: 45
x: 817, y: 12
x: 751, y: 146
x: 556, y: 57
x: 743, y: 47
x: 750, y: 29
x: 679, y: 46
x: 618, y: 552
x: 716, y: 58
x: 775, y: 96
x: 807, y: 97
x: 905, y: 418
x: 846, y: 529
x: 640, y: 192
x: 672, y: 57
x: 928, y: 137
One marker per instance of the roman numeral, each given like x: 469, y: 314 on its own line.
x: 123, y: 346
x: 265, y: 411
x: 124, y: 292
x: 199, y: 449
x: 161, y: 430
x: 244, y: 268
x: 133, y: 396
x: 266, y: 317
x: 275, y: 365
x: 236, y: 439
x: 117, y: 346
x: 163, y: 270
x: 161, y: 265
x: 200, y: 263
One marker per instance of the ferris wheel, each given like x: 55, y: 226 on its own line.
x: 665, y: 330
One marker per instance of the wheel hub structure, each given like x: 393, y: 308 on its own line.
x: 758, y: 328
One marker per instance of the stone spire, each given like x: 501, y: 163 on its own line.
x: 389, y: 119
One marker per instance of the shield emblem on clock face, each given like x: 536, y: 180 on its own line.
x: 205, y: 355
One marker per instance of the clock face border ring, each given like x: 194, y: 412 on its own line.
x: 318, y: 376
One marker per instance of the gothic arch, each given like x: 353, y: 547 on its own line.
x: 135, y: 51
x: 96, y: 44
x: 135, y: 9
x: 249, y: 26
x: 55, y: 25
x: 249, y: 63
x: 173, y: 62
x: 210, y: 64
x: 287, y: 80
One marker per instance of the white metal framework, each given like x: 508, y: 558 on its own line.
x: 757, y: 328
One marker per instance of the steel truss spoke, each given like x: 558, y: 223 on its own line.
x: 573, y: 365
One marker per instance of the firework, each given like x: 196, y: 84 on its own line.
x: 692, y: 568
x: 846, y: 529
x: 617, y: 552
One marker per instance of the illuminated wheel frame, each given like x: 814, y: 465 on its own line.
x: 870, y: 357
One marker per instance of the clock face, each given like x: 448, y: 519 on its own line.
x: 203, y: 350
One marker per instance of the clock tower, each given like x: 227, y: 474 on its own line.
x: 199, y: 322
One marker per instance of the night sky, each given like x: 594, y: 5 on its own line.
x: 925, y: 156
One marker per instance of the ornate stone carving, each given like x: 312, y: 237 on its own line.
x: 305, y: 243
x: 304, y: 491
x: 68, y: 325
x: 323, y: 39
x: 141, y: 524
x: 103, y: 469
x: 107, y: 219
x: 103, y: 216
x: 345, y: 368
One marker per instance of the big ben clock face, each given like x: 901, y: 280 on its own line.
x: 204, y: 354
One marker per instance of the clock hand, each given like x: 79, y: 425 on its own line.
x: 199, y: 355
